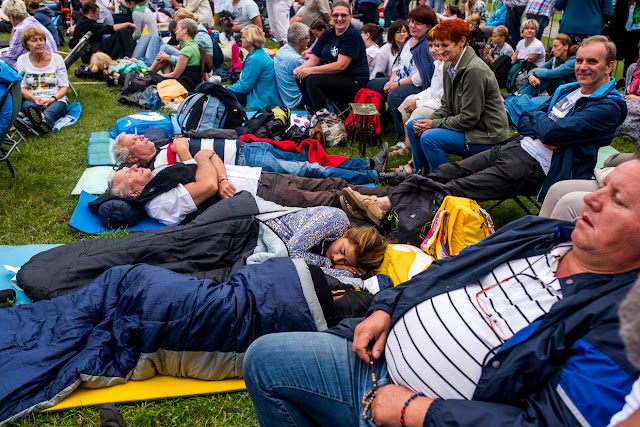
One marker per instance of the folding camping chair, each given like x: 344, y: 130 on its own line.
x: 75, y: 54
x: 11, y: 137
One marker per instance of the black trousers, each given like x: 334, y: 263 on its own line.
x: 504, y: 171
x: 292, y: 190
x: 369, y: 13
x: 316, y: 88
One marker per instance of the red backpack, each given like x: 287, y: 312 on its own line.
x: 366, y: 96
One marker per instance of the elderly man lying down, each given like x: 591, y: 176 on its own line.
x: 138, y: 320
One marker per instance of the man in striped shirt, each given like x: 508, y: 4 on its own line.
x: 519, y: 329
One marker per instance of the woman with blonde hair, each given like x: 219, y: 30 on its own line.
x: 257, y: 87
x: 45, y: 82
x: 555, y: 72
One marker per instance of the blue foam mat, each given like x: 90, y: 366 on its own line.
x: 84, y: 220
x: 17, y: 256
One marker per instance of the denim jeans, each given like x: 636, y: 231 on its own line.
x: 56, y: 110
x: 272, y: 159
x: 550, y: 85
x: 431, y: 147
x: 437, y: 5
x: 542, y: 20
x: 514, y: 18
x: 308, y: 378
x: 147, y: 48
x: 394, y: 98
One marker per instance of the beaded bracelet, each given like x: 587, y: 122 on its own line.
x: 406, y: 404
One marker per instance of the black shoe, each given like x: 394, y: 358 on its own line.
x: 391, y: 178
x: 36, y: 119
x: 380, y: 160
x: 110, y: 416
x: 25, y: 127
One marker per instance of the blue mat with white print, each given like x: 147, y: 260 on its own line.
x: 17, y: 256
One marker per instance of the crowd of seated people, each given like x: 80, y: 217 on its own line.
x: 442, y: 83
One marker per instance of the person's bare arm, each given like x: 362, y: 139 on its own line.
x: 331, y: 68
x: 180, y: 146
x: 117, y: 27
x: 257, y: 21
x: 225, y: 188
x: 181, y: 65
x: 206, y: 183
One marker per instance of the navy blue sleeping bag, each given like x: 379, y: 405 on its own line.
x: 135, y: 321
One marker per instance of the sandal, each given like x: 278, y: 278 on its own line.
x: 37, y: 120
x: 405, y: 169
x: 401, y: 151
x: 109, y: 77
x: 366, y: 206
x: 350, y: 211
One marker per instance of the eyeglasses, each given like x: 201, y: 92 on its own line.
x: 340, y: 15
x: 411, y: 21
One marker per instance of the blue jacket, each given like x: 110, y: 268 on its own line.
x: 590, y: 125
x: 499, y: 16
x: 423, y: 59
x: 584, y: 16
x: 258, y: 79
x: 571, y: 359
x: 554, y: 69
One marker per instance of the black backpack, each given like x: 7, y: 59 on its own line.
x: 415, y: 203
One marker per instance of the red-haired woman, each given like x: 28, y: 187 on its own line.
x: 472, y: 117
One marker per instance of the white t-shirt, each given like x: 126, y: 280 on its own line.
x: 244, y: 11
x: 631, y: 405
x: 406, y: 66
x: 43, y: 82
x: 536, y: 46
x: 439, y: 346
x: 384, y: 61
x: 534, y: 146
x: 431, y: 97
x: 372, y: 52
x: 172, y: 207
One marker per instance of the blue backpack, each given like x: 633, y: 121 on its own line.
x: 140, y: 122
x: 218, y: 56
x: 198, y: 112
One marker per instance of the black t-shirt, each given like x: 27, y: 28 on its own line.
x: 350, y: 44
x: 85, y: 25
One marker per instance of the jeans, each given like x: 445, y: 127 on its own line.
x: 550, y: 85
x: 394, y: 98
x: 437, y: 5
x: 308, y: 378
x: 431, y: 147
x: 147, y: 48
x: 514, y: 18
x: 395, y: 9
x: 316, y: 88
x: 542, y: 20
x: 56, y: 110
x: 272, y: 159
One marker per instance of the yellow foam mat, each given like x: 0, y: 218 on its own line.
x: 158, y: 387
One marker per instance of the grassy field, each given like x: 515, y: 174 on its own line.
x: 36, y: 205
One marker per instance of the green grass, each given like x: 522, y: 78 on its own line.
x: 35, y: 207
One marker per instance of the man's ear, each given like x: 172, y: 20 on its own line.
x: 132, y: 159
x: 134, y: 194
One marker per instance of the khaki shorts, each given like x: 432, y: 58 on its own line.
x: 418, y: 113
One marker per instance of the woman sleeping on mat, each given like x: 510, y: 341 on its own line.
x: 136, y: 321
x: 324, y: 237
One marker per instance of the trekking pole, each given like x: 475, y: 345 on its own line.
x: 550, y: 27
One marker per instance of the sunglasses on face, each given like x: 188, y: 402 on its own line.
x: 340, y: 15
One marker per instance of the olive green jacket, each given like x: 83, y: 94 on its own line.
x: 472, y: 103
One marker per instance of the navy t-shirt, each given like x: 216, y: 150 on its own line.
x: 350, y: 44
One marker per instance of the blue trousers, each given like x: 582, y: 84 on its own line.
x: 308, y: 379
x: 395, y: 9
x: 431, y: 147
x: 437, y: 5
x: 56, y: 110
x: 394, y: 98
x: 550, y: 85
x: 147, y: 48
x: 272, y: 159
